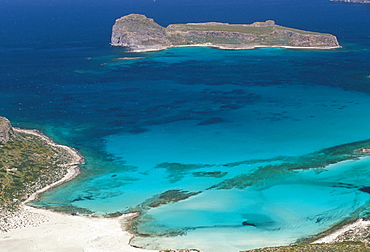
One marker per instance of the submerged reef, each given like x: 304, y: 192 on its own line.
x: 315, y: 160
x: 264, y: 175
x: 213, y: 174
x: 139, y: 33
x: 168, y: 197
x: 177, y: 171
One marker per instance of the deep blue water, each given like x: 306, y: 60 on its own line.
x: 214, y: 132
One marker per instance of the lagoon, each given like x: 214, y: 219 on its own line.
x: 210, y: 131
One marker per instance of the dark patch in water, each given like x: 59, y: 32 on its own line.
x: 128, y: 89
x: 215, y: 174
x: 213, y: 120
x: 365, y: 189
x: 117, y: 123
x: 318, y: 159
x: 138, y: 130
x: 344, y: 185
x: 246, y: 223
x: 231, y: 106
x: 114, y: 109
x: 167, y: 197
x: 177, y: 171
x: 82, y: 198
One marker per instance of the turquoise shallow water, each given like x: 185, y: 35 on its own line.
x: 219, y: 150
x: 216, y: 152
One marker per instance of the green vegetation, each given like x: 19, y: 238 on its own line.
x: 222, y: 27
x: 250, y: 29
x: 335, y: 247
x: 27, y: 164
x: 348, y: 246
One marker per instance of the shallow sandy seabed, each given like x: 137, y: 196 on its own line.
x: 47, y: 231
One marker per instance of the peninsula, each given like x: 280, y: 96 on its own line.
x: 30, y: 163
x: 139, y: 33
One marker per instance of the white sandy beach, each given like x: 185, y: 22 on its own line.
x: 357, y: 229
x: 63, y: 232
x: 247, y: 47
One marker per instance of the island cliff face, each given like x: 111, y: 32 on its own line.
x: 139, y: 33
x: 6, y: 130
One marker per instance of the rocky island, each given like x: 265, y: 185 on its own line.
x: 139, y: 33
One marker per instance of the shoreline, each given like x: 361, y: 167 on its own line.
x: 336, y: 235
x: 72, y: 171
x: 251, y: 47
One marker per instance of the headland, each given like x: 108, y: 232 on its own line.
x: 30, y: 164
x: 139, y: 34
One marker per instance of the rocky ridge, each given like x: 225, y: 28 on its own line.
x: 139, y: 33
x: 6, y: 130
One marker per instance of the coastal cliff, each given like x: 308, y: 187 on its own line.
x: 139, y: 33
x: 6, y: 130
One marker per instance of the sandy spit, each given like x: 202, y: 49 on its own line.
x: 63, y: 232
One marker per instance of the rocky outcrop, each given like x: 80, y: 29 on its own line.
x: 6, y: 130
x: 139, y: 33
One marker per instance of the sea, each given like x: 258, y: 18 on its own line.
x: 219, y: 150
